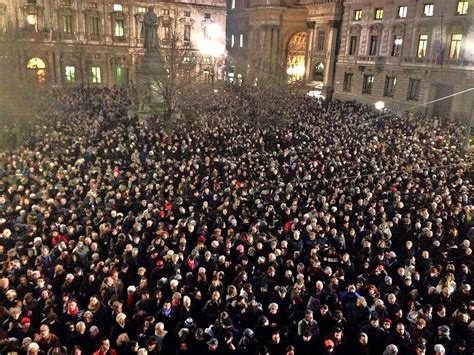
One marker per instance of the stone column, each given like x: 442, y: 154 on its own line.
x: 331, y: 58
x: 310, y: 25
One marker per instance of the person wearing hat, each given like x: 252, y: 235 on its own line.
x: 443, y: 338
x: 26, y: 330
x: 328, y: 346
x: 213, y: 347
x: 248, y: 344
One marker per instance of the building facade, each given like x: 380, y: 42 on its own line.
x: 407, y: 53
x: 100, y: 42
x: 402, y: 52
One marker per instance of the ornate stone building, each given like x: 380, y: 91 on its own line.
x: 407, y: 53
x: 401, y: 52
x: 100, y: 42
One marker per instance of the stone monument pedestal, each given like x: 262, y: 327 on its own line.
x: 150, y: 95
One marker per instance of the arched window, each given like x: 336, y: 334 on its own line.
x: 296, y: 57
x: 38, y: 67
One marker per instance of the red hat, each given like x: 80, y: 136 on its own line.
x: 328, y: 343
x: 387, y: 320
x: 380, y: 267
x: 201, y: 239
x: 160, y: 263
x: 25, y: 320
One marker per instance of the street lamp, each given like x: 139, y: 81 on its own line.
x: 380, y: 105
x: 212, y: 45
x: 31, y: 19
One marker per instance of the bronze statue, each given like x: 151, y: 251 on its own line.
x: 150, y: 27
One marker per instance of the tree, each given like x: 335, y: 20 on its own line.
x: 171, y: 71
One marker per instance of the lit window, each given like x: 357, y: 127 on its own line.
x: 67, y: 24
x: 422, y: 46
x: 166, y: 12
x: 32, y: 19
x: 232, y: 41
x: 206, y: 60
x: 463, y: 5
x: 118, y: 7
x: 187, y: 33
x: 207, y: 16
x: 241, y: 40
x: 357, y: 15
x: 390, y: 82
x: 397, y: 46
x: 413, y: 89
x: 141, y: 9
x: 93, y: 5
x: 119, y: 28
x: 186, y: 59
x: 348, y: 82
x: 367, y: 84
x: 187, y: 14
x: 402, y: 11
x: 96, y: 79
x: 70, y: 73
x: 428, y: 10
x: 232, y: 5
x: 455, y: 48
x: 378, y: 14
x: 167, y: 32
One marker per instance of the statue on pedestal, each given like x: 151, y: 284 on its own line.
x: 150, y: 27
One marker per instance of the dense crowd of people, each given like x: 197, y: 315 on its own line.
x: 269, y: 223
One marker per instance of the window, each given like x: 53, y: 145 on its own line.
x: 31, y: 1
x: 207, y: 15
x: 141, y: 9
x: 455, y: 48
x: 118, y: 7
x: 378, y: 14
x: 357, y: 15
x: 119, y: 28
x: 167, y: 31
x: 390, y: 82
x: 367, y: 84
x: 96, y: 79
x: 413, y: 89
x: 428, y: 10
x: 94, y: 26
x: 206, y: 60
x: 166, y: 12
x: 402, y: 11
x: 232, y: 41
x: 321, y: 40
x: 232, y: 6
x: 66, y: 2
x: 186, y: 59
x: 353, y: 45
x: 374, y: 40
x: 422, y: 45
x: 67, y: 24
x: 462, y: 7
x: 70, y: 73
x: 241, y: 40
x: 187, y: 14
x: 187, y: 32
x: 347, y: 82
x: 397, y: 46
x: 93, y: 5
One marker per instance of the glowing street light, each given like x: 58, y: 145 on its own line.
x: 380, y: 105
x: 31, y: 19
